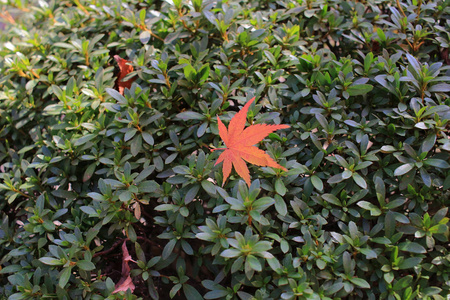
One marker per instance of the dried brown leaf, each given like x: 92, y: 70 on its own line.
x: 125, y: 281
x: 125, y: 69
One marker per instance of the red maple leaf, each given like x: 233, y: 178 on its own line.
x: 125, y: 69
x: 240, y: 145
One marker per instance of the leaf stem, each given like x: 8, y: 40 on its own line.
x: 214, y: 149
x: 142, y: 27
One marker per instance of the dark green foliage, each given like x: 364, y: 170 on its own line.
x: 361, y: 213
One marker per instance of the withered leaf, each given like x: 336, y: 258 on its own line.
x: 125, y: 69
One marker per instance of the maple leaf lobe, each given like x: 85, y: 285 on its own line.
x: 240, y: 143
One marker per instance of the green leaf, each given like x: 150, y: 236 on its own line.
x: 216, y: 294
x: 125, y: 196
x: 432, y: 290
x: 164, y: 207
x: 116, y: 95
x: 209, y: 187
x: 89, y: 171
x: 51, y: 261
x: 190, y: 115
x: 17, y: 296
x: 381, y: 240
x: 230, y: 253
x: 409, y: 263
x: 85, y: 265
x: 412, y: 247
x: 84, y: 139
x: 64, y: 276
x: 380, y: 190
x: 331, y: 199
x: 390, y: 224
x: 144, y: 37
x: 16, y: 268
x: 440, y: 88
x: 237, y: 265
x: 148, y: 138
x: 360, y: 282
x: 89, y: 210
x: 129, y: 134
x: 236, y: 204
x: 434, y: 162
x: 369, y: 253
x: 152, y: 289
x: 447, y: 182
x: 403, y: 169
x: 396, y: 203
x: 262, y: 246
x: 374, y: 210
x: 168, y: 248
x: 359, y: 180
x: 148, y: 186
x: 317, y: 183
x: 429, y: 142
x: 274, y: 264
x: 254, y: 263
x: 262, y: 203
x: 136, y: 145
x: 279, y: 187
x: 388, y: 149
x: 335, y: 179
x: 280, y: 205
x: 359, y: 89
x: 334, y: 288
x: 175, y: 289
x: 347, y: 262
x: 64, y: 194
x: 191, y: 293
x: 109, y: 285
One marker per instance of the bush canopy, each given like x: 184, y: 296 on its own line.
x: 109, y: 189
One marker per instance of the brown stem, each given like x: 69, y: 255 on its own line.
x: 120, y: 241
x: 404, y: 15
x: 22, y: 74
x: 80, y: 6
x: 167, y: 79
x: 142, y: 27
x: 180, y: 14
x: 214, y: 149
x: 21, y: 193
x: 419, y: 6
x: 7, y: 17
x: 114, y: 246
x: 86, y: 58
x: 34, y: 74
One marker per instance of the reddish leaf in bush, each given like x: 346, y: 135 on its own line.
x: 125, y: 69
x: 125, y: 281
x: 240, y: 145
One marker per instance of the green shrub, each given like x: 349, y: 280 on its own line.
x: 360, y: 213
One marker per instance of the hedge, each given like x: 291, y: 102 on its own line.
x: 110, y: 195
